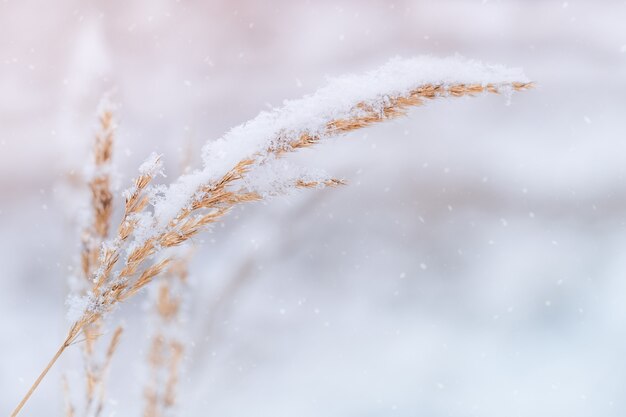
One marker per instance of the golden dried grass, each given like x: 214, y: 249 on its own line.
x: 93, y: 236
x: 216, y: 200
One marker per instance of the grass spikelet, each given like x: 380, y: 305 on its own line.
x: 94, y: 235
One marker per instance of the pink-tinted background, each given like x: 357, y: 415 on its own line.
x: 473, y: 267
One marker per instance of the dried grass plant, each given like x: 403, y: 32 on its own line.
x: 166, y: 347
x: 94, y: 234
x: 115, y: 278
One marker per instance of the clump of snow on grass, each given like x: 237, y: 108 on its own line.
x: 311, y: 114
x: 152, y: 166
x: 338, y: 99
x: 77, y: 305
x: 277, y: 176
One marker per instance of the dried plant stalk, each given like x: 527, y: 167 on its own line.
x: 94, y: 236
x: 101, y: 194
x: 212, y: 200
x: 166, y: 348
x: 396, y: 107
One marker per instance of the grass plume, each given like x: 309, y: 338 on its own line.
x: 138, y: 251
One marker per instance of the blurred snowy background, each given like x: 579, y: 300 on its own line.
x: 473, y: 267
